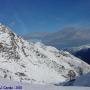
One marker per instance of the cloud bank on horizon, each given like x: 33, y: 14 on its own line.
x: 26, y: 16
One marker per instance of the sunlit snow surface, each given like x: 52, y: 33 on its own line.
x: 5, y: 83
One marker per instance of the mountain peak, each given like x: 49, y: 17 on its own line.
x: 35, y: 62
x: 4, y: 28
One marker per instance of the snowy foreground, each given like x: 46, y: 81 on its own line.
x: 57, y: 88
x: 38, y: 87
x: 6, y: 85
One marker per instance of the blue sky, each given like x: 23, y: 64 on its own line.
x: 25, y: 16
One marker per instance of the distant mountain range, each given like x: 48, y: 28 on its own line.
x: 65, y: 38
x: 82, y: 52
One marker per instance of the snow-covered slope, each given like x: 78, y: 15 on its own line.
x: 84, y: 80
x: 35, y: 63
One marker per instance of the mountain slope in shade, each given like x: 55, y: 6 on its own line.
x: 34, y: 62
x: 83, y: 80
x: 82, y: 52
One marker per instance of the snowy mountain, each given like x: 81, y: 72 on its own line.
x: 82, y: 52
x: 34, y: 62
